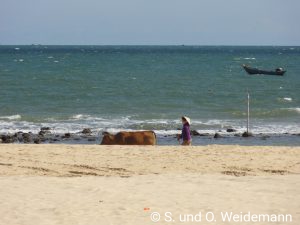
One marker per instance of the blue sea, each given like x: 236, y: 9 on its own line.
x: 113, y: 88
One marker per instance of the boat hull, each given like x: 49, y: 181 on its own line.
x: 253, y: 71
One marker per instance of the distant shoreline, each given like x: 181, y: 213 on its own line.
x: 149, y: 45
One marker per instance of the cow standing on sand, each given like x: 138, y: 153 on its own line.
x: 129, y: 138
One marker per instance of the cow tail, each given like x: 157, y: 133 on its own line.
x: 155, y: 136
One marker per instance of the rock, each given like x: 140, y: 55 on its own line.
x: 42, y: 132
x: 12, y: 139
x: 67, y: 135
x: 195, y: 133
x: 45, y: 128
x: 27, y: 137
x: 92, y: 139
x: 18, y: 136
x: 42, y: 138
x: 7, y: 139
x: 229, y: 130
x: 205, y: 134
x: 37, y: 141
x: 217, y: 135
x: 247, y: 134
x: 237, y: 135
x: 86, y: 131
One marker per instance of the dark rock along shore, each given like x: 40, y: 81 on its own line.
x: 44, y: 136
x: 86, y: 136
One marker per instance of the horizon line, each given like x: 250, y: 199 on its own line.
x: 183, y: 45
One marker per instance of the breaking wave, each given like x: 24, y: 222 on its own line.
x: 76, y: 123
x: 12, y: 117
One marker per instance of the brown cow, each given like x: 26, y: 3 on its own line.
x: 129, y: 138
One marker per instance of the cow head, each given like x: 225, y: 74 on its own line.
x: 108, y: 139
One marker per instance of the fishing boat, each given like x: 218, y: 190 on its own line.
x: 252, y: 71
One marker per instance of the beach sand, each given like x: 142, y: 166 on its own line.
x: 92, y: 184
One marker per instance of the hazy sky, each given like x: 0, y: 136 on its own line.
x: 158, y: 22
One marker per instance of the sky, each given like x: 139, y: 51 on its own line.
x: 150, y: 22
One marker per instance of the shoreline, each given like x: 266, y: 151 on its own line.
x: 89, y: 137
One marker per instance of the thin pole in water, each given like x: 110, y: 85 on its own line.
x: 248, y: 112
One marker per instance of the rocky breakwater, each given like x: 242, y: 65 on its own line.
x: 45, y: 135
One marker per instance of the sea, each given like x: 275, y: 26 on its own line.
x: 117, y: 88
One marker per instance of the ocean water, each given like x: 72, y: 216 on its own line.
x: 113, y: 88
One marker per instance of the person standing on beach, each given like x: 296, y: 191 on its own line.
x: 186, y: 133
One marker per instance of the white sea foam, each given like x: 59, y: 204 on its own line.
x: 89, y: 118
x: 21, y: 60
x: 250, y: 58
x: 162, y: 127
x: 294, y: 109
x: 12, y: 117
x: 285, y: 99
x: 288, y: 99
x: 78, y: 116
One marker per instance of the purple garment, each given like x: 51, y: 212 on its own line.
x: 186, y: 133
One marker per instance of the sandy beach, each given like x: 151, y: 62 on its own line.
x: 92, y: 184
